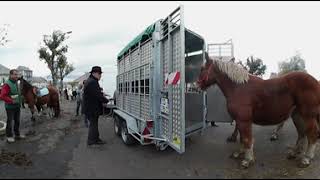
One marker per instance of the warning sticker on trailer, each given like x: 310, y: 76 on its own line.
x: 176, y: 140
x: 172, y: 78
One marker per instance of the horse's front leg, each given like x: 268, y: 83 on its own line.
x: 301, y: 142
x: 245, y: 129
x: 31, y: 107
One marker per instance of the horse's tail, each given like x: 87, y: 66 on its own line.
x: 318, y: 124
x: 57, y: 113
x: 57, y: 107
x: 54, y: 98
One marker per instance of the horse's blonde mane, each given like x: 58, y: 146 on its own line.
x: 235, y: 72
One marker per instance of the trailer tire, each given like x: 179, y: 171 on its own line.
x: 125, y: 136
x: 116, y: 125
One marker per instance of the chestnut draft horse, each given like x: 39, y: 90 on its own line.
x: 51, y: 100
x: 275, y: 133
x: 251, y: 99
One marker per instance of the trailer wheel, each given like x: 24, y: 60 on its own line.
x: 116, y: 126
x: 126, y: 137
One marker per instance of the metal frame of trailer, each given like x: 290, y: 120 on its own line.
x: 156, y: 98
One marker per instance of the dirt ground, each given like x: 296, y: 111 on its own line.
x: 56, y: 148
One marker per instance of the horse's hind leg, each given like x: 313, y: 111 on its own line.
x: 33, y: 119
x: 238, y: 154
x: 312, y: 134
x: 275, y: 133
x: 233, y: 137
x: 298, y: 150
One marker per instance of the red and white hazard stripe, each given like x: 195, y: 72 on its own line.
x: 172, y: 78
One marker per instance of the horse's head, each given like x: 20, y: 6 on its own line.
x: 22, y: 81
x: 20, y: 78
x: 25, y: 86
x: 207, y: 76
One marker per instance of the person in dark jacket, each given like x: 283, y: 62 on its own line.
x: 86, y: 121
x: 93, y: 104
x: 66, y: 94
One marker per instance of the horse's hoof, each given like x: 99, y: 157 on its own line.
x: 274, y: 137
x: 236, y: 155
x: 305, y: 162
x: 246, y: 163
x: 291, y: 156
x: 294, y: 154
x: 231, y: 139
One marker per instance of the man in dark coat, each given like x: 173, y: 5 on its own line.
x: 86, y: 121
x: 93, y: 104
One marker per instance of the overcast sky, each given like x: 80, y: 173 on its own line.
x: 272, y: 31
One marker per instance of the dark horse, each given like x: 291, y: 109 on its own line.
x: 51, y: 100
x: 251, y: 99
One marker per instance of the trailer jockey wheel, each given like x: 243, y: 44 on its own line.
x: 126, y: 137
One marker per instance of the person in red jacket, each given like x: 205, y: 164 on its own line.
x: 10, y: 94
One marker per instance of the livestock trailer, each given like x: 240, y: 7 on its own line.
x: 157, y: 101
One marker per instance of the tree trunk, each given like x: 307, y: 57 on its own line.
x: 61, y: 84
x: 54, y: 80
x: 53, y: 72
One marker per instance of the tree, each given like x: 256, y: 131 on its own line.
x: 296, y: 63
x: 64, y: 68
x: 4, y: 35
x: 53, y: 49
x: 254, y: 66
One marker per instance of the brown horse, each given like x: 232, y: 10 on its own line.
x: 274, y: 135
x: 251, y: 99
x: 51, y: 100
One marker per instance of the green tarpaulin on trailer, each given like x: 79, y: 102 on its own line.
x: 146, y: 34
